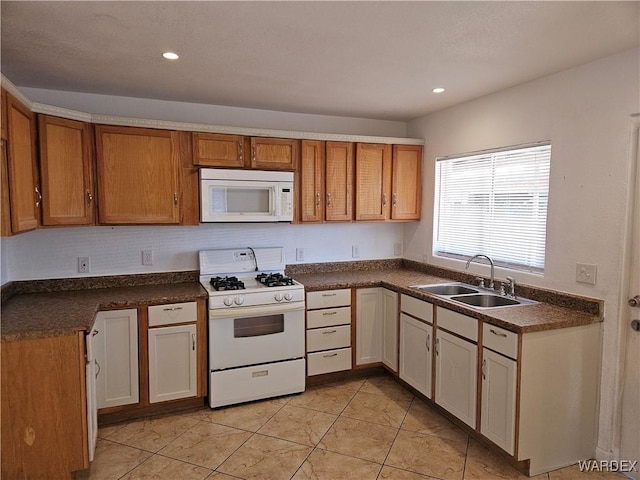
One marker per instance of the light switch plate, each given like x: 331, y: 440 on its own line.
x: 586, y: 273
x: 299, y: 254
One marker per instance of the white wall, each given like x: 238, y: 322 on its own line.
x: 213, y: 114
x: 585, y: 112
x: 52, y: 253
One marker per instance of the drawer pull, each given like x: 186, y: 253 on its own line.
x: 330, y: 355
x: 484, y: 369
x: 329, y: 331
x: 328, y: 294
x: 500, y: 334
x: 171, y: 309
x: 329, y: 313
x: 193, y: 342
x: 427, y: 343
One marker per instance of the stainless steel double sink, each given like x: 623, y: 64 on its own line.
x: 472, y: 296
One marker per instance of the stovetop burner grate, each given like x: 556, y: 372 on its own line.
x: 227, y: 283
x: 274, y: 279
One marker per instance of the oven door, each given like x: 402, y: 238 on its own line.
x: 254, y: 335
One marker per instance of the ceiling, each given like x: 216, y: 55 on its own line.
x: 377, y: 60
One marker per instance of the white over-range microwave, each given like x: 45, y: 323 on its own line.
x: 245, y: 195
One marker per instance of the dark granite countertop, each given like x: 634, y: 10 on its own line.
x: 40, y: 309
x: 555, y: 310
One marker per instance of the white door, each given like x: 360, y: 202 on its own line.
x: 368, y: 325
x: 630, y: 438
x: 416, y: 353
x: 172, y: 363
x: 498, y: 411
x: 116, y: 354
x: 390, y: 329
x: 456, y: 364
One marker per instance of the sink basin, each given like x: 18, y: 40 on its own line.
x: 488, y: 300
x: 446, y: 289
x: 472, y: 296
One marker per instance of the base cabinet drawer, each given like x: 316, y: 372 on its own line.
x: 329, y: 298
x: 173, y: 313
x: 328, y: 338
x: 328, y: 361
x: 328, y: 317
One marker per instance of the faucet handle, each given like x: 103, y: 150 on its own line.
x: 480, y: 281
x: 512, y: 286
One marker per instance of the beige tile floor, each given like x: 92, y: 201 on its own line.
x: 370, y: 428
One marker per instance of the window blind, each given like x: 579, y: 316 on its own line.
x: 494, y: 203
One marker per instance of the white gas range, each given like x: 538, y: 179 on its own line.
x: 256, y: 325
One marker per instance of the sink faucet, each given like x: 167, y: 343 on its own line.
x: 490, y: 261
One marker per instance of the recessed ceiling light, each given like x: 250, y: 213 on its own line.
x: 438, y: 90
x: 170, y: 55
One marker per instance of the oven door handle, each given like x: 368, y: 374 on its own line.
x: 255, y: 311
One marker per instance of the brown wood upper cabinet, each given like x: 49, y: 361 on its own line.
x: 326, y: 181
x: 22, y: 172
x: 3, y: 118
x: 388, y: 182
x: 373, y: 181
x: 137, y: 170
x: 406, y: 183
x: 274, y: 153
x: 66, y: 171
x: 218, y: 150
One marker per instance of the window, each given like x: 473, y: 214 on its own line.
x: 494, y: 203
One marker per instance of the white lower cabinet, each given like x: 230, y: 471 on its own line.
x: 498, y: 411
x: 172, y: 363
x: 368, y: 325
x: 328, y: 331
x: 390, y: 328
x: 456, y: 376
x: 116, y: 354
x: 416, y: 353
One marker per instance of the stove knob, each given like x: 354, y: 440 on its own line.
x: 278, y: 297
x: 228, y: 302
x: 288, y: 296
x: 238, y: 300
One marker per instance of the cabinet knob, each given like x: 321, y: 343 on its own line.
x: 89, y: 198
x: 328, y: 199
x: 240, y: 148
x: 317, y: 199
x: 175, y: 198
x: 384, y: 199
x: 395, y: 199
x: 39, y: 196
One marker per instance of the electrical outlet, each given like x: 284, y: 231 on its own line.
x: 147, y: 257
x: 397, y: 249
x: 300, y: 254
x: 586, y: 273
x: 355, y: 251
x: 84, y: 265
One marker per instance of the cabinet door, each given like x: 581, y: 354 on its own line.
x: 368, y: 325
x: 172, y: 363
x: 456, y: 363
x: 312, y: 181
x: 66, y: 171
x: 44, y: 423
x: 274, y: 153
x: 498, y: 411
x: 373, y: 181
x: 339, y: 182
x: 116, y: 352
x: 137, y: 175
x: 416, y: 340
x: 5, y: 226
x: 390, y: 329
x: 406, y: 188
x: 3, y: 118
x: 216, y: 150
x: 24, y: 194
